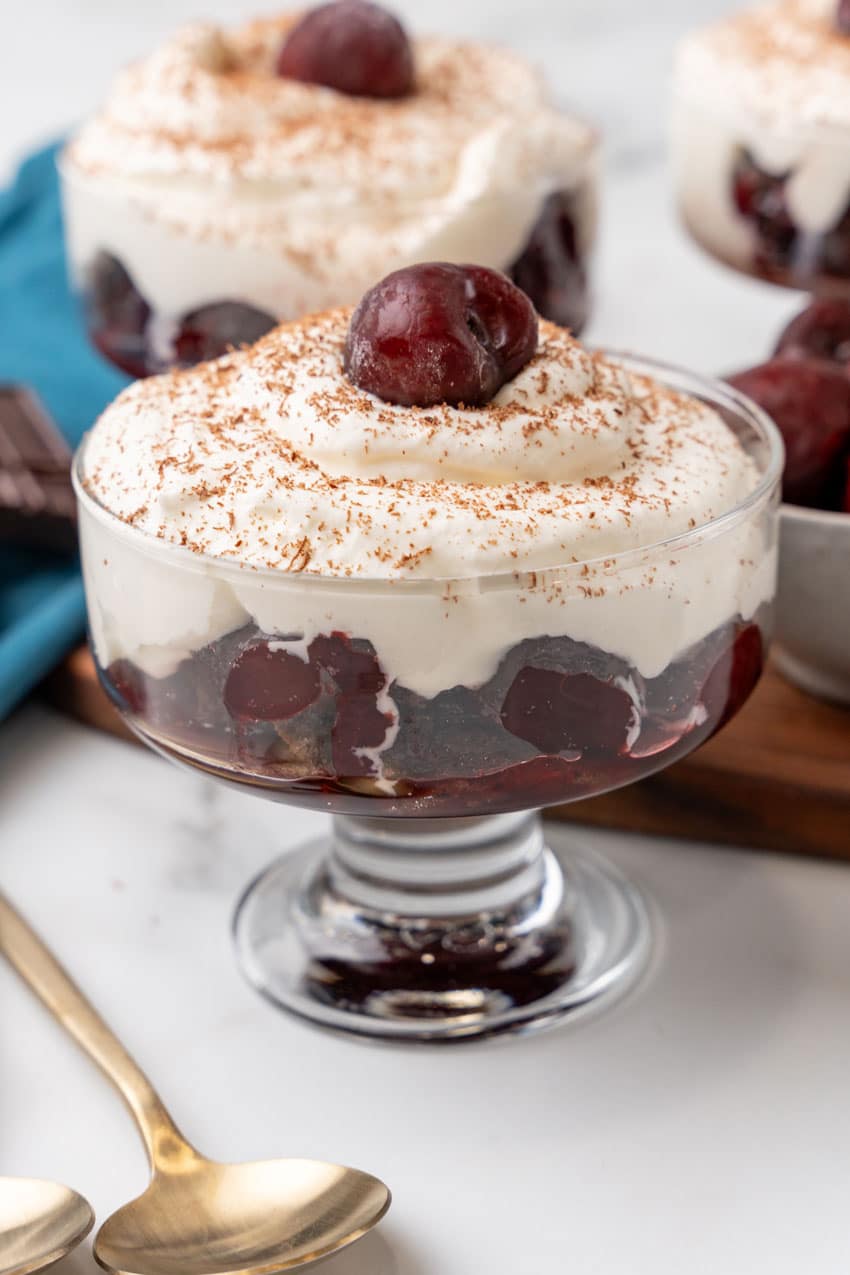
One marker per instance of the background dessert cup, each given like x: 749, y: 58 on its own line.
x: 212, y: 198
x: 761, y: 143
x: 739, y: 203
x: 431, y: 716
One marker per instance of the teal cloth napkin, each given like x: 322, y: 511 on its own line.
x: 42, y: 345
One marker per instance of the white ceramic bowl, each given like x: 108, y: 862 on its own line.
x: 813, y: 603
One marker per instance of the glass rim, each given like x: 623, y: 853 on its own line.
x: 714, y: 392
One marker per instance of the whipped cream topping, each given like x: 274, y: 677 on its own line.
x: 211, y: 178
x: 207, y: 110
x: 776, y: 81
x: 273, y: 458
x: 784, y: 62
x: 378, y: 521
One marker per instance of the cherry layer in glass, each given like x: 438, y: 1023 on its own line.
x: 267, y: 545
x: 761, y: 142
x: 236, y: 178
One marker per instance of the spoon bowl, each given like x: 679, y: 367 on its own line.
x: 39, y: 1223
x: 220, y: 1219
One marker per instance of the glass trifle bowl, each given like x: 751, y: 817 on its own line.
x: 432, y: 716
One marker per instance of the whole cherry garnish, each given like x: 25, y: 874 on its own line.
x: 810, y: 402
x: 352, y: 46
x: 842, y: 17
x: 821, y: 331
x: 440, y: 333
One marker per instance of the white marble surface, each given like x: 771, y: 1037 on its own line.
x: 701, y: 1126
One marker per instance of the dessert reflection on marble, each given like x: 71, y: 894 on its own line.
x: 761, y: 141
x: 236, y: 178
x: 315, y: 570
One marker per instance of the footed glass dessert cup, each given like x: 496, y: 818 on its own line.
x: 433, y: 719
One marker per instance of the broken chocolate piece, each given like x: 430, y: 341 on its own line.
x: 37, y: 506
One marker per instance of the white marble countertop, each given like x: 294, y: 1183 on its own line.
x: 701, y: 1126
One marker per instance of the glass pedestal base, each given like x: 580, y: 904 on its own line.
x: 440, y: 929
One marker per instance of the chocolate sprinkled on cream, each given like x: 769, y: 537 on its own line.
x: 272, y: 457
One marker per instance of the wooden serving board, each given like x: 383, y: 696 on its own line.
x: 777, y: 778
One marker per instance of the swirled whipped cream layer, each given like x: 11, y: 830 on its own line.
x: 274, y: 458
x: 775, y: 80
x: 311, y: 195
x: 390, y: 523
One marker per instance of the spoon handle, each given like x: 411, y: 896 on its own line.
x: 36, y: 965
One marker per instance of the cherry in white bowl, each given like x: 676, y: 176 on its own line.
x: 805, y: 388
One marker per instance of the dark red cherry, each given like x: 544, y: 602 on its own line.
x: 125, y: 683
x: 354, y: 668
x: 810, y: 403
x: 118, y: 315
x: 846, y: 502
x: 351, y: 46
x: 559, y: 712
x: 359, y: 729
x: 265, y: 685
x: 842, y: 17
x: 114, y: 299
x: 760, y: 198
x: 211, y: 331
x: 748, y: 182
x: 734, y: 676
x: 550, y: 269
x: 440, y: 333
x: 835, y: 248
x: 821, y: 331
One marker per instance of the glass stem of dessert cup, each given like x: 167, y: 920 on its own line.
x: 440, y: 929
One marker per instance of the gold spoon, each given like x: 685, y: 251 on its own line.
x: 39, y: 1223
x: 198, y: 1217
